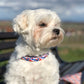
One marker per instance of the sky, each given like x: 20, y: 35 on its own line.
x: 68, y: 10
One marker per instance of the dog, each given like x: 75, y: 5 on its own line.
x: 32, y: 61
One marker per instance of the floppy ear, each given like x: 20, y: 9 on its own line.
x: 20, y: 23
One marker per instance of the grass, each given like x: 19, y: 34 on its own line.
x: 72, y: 48
x: 6, y: 51
x: 2, y: 52
x: 3, y: 63
x: 71, y: 55
x: 74, y: 40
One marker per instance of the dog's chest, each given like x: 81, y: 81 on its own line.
x: 42, y: 70
x: 37, y: 71
x: 48, y: 65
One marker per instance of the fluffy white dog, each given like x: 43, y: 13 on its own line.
x: 32, y: 61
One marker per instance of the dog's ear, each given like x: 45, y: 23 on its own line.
x: 20, y: 23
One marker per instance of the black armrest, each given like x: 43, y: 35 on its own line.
x: 82, y: 78
x: 55, y: 52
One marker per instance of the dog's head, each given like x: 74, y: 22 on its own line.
x: 39, y: 28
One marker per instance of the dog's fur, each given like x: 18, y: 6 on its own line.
x: 35, y: 28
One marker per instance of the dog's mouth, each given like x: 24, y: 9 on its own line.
x: 54, y: 38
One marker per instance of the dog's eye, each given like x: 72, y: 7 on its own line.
x: 42, y: 25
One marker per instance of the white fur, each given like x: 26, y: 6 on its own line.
x: 34, y: 40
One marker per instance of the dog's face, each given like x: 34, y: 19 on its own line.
x: 39, y: 28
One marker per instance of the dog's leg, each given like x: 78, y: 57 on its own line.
x: 10, y: 79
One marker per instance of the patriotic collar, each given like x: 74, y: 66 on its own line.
x: 34, y: 58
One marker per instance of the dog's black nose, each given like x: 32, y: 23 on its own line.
x: 56, y: 31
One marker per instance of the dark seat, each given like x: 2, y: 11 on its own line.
x: 69, y: 68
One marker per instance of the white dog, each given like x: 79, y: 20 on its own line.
x: 32, y: 61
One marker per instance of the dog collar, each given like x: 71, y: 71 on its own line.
x: 35, y: 58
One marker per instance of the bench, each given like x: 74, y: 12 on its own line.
x: 7, y: 43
